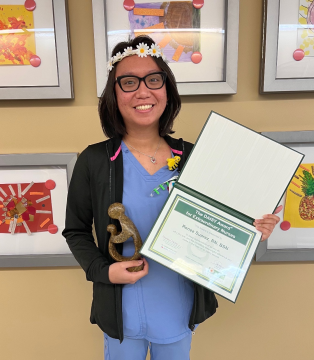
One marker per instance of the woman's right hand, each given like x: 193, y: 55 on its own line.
x: 118, y: 273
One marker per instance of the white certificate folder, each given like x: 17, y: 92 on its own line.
x: 233, y: 176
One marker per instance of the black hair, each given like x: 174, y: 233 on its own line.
x: 110, y: 117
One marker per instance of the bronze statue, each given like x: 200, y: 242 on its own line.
x: 116, y: 211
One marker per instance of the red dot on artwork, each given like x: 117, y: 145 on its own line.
x: 53, y: 229
x: 285, y: 225
x: 128, y: 4
x: 50, y: 184
x: 30, y: 5
x: 35, y: 60
x: 298, y: 54
x: 198, y: 4
x: 196, y: 57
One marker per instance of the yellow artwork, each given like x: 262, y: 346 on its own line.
x: 17, y: 41
x: 299, y: 207
x: 306, y: 20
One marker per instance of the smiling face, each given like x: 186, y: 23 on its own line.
x: 140, y: 109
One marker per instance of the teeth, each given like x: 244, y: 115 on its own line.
x: 143, y: 107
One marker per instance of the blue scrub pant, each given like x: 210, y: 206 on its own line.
x: 137, y: 349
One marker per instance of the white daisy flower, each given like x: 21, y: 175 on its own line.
x: 142, y: 50
x: 163, y: 56
x: 155, y: 50
x: 128, y: 51
x: 117, y: 57
x: 110, y: 64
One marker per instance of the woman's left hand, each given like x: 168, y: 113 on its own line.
x: 268, y: 223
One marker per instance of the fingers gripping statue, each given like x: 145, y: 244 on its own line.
x: 116, y: 211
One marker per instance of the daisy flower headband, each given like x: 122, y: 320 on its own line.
x: 142, y: 50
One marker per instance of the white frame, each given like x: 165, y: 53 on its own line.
x: 24, y: 160
x: 269, y: 81
x: 65, y: 88
x: 227, y: 86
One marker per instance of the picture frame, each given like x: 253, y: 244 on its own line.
x: 289, y: 245
x: 287, y: 54
x: 50, y: 76
x: 222, y: 82
x: 41, y: 249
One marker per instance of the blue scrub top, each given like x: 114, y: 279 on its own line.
x: 158, y: 306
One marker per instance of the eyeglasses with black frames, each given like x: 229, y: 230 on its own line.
x: 153, y: 81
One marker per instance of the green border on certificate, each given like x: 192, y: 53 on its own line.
x: 216, y: 223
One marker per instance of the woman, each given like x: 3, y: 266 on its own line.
x: 154, y: 308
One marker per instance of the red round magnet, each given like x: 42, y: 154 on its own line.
x: 50, y: 184
x: 196, y: 57
x: 30, y: 5
x: 298, y: 54
x: 53, y: 229
x: 198, y: 4
x: 35, y: 60
x: 128, y: 5
x: 285, y: 225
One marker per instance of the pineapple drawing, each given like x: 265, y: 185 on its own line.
x: 306, y: 207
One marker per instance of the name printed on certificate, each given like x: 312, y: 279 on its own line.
x: 203, y: 243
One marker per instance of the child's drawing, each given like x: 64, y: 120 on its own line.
x: 17, y: 37
x: 299, y: 207
x: 305, y: 45
x: 169, y: 24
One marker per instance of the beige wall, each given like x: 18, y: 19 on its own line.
x: 44, y: 313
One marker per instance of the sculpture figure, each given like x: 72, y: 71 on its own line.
x: 128, y: 229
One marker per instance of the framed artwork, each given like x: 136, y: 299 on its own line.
x: 293, y: 238
x: 35, y: 61
x: 288, y: 46
x: 33, y: 193
x: 199, y: 39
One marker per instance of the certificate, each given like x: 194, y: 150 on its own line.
x: 206, y: 245
x: 205, y: 230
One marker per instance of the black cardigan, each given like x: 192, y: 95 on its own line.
x: 96, y: 183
